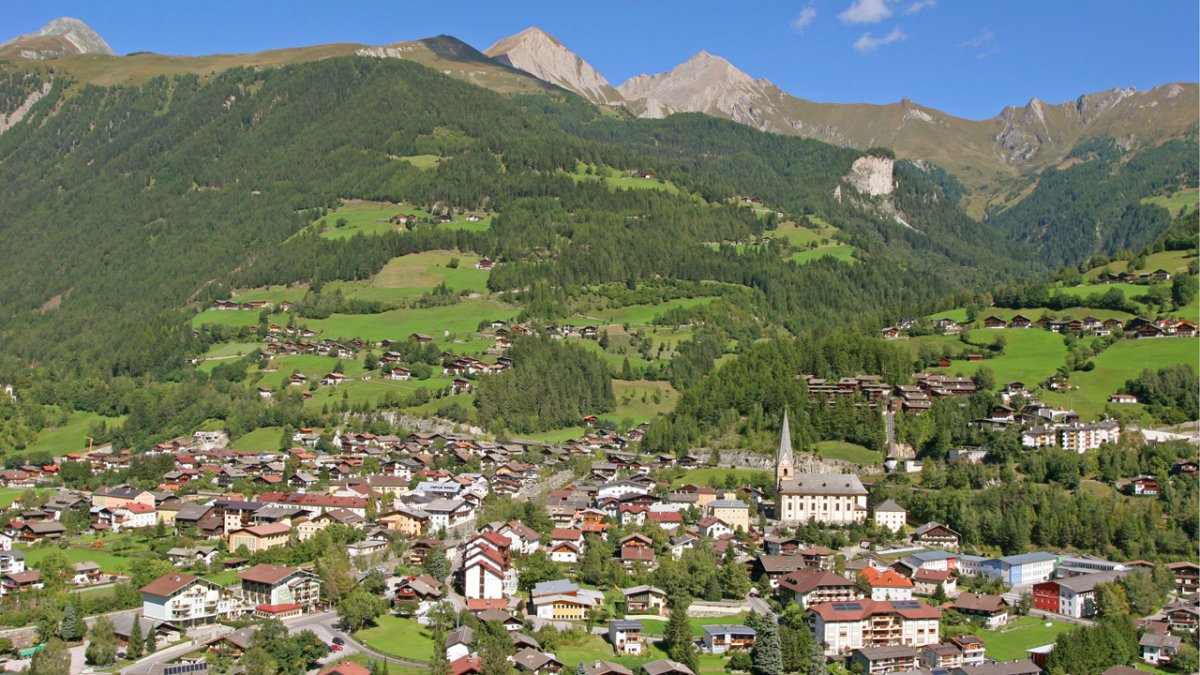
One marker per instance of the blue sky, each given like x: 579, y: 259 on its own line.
x: 966, y: 57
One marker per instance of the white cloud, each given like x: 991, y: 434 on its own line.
x: 920, y: 5
x: 867, y: 44
x: 866, y: 11
x: 985, y: 43
x: 807, y: 15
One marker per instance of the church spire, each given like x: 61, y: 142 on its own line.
x: 785, y: 468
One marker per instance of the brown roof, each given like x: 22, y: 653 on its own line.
x: 168, y: 584
x: 806, y: 580
x: 267, y: 574
x: 268, y: 530
x: 978, y: 602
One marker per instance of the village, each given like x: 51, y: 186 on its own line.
x: 413, y: 518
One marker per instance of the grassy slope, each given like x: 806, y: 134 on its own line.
x: 847, y: 452
x: 260, y: 440
x: 461, y: 318
x: 1030, y: 356
x: 71, y: 436
x: 1120, y: 362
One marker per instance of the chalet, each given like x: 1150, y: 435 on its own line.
x: 994, y: 322
x: 883, y: 659
x: 1187, y: 577
x: 626, y: 637
x: 936, y: 534
x: 724, y: 638
x: 533, y: 661
x: 1143, y: 486
x: 1020, y: 321
x: 666, y: 667
x: 1159, y: 649
x: 485, y: 263
x: 808, y: 587
x: 279, y: 591
x: 992, y: 610
x: 645, y: 600
x: 605, y: 668
x: 1122, y: 398
x: 333, y: 379
x: 15, y: 582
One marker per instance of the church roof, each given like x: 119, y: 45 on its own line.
x: 823, y: 484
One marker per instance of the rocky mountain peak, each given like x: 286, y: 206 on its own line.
x: 541, y: 55
x: 65, y: 36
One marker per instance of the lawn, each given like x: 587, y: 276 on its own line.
x: 593, y: 647
x: 615, y: 179
x: 265, y: 439
x: 72, y: 436
x: 1030, y: 355
x: 430, y: 268
x: 484, y: 223
x: 1021, y: 635
x: 311, y: 365
x: 108, y: 561
x: 716, y: 477
x: 399, y: 636
x: 847, y: 452
x: 398, y: 324
x: 226, y: 317
x: 223, y: 578
x: 230, y: 349
x: 366, y: 217
x: 422, y: 161
x: 1121, y: 362
x: 842, y: 252
x: 697, y: 623
x: 642, y: 314
x: 1177, y: 202
x: 9, y: 495
x: 637, y: 409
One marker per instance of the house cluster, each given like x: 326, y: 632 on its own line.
x: 1090, y: 325
x: 229, y: 305
x: 872, y: 391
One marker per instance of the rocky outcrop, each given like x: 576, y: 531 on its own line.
x: 872, y: 176
x: 59, y: 38
x: 10, y: 120
x: 539, y: 54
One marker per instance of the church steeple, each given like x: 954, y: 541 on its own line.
x: 785, y: 468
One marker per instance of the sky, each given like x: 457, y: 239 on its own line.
x: 968, y: 58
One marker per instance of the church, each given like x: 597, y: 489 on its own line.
x: 827, y: 498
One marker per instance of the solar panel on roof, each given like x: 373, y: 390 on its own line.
x: 906, y: 604
x: 847, y: 606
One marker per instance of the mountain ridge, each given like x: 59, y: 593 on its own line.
x: 538, y: 53
x: 64, y: 36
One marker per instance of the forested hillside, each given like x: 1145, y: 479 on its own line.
x: 1092, y: 203
x: 131, y: 201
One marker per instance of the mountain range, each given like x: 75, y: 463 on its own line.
x: 998, y: 159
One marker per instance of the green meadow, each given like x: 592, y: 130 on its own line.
x: 847, y: 452
x: 1030, y: 355
x: 460, y: 318
x: 1119, y: 363
x: 842, y: 252
x: 70, y: 437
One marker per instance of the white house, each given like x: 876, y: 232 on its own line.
x: 891, y: 516
x: 183, y: 599
x: 134, y: 515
